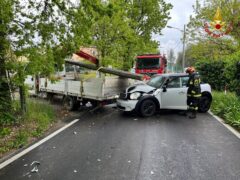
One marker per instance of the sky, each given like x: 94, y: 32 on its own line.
x: 171, y: 38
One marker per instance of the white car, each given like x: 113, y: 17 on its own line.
x: 164, y: 91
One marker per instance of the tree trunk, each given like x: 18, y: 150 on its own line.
x: 5, y: 96
x: 23, y: 99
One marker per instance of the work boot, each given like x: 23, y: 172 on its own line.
x: 193, y: 115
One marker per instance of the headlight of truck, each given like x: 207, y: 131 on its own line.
x: 135, y: 95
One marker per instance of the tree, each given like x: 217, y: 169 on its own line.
x: 26, y: 26
x: 6, y: 15
x: 121, y: 29
x: 209, y: 50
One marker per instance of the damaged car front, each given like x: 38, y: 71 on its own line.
x: 133, y: 96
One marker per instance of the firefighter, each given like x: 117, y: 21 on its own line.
x: 193, y: 92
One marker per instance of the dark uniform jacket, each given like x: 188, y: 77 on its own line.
x: 194, y: 89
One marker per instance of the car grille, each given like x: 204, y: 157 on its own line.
x: 123, y: 96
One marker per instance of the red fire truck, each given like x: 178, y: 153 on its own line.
x: 150, y: 64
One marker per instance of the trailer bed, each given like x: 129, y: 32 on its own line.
x: 94, y: 88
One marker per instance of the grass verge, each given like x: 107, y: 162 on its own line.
x: 227, y: 107
x: 39, y: 117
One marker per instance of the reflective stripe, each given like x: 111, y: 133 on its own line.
x: 194, y: 95
x: 197, y: 95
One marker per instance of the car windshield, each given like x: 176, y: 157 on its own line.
x: 148, y: 63
x: 156, y: 81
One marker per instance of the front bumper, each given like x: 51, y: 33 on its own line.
x: 126, y: 105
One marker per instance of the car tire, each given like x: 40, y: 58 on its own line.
x: 204, y: 104
x: 147, y: 108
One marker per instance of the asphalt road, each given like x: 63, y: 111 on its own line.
x: 109, y: 145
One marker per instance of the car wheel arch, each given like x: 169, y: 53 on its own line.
x: 201, y: 107
x: 207, y: 94
x: 143, y: 98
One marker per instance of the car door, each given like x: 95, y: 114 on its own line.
x: 175, y: 96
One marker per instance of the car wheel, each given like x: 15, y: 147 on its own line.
x: 147, y: 108
x: 204, y: 104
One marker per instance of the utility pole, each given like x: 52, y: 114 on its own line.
x: 184, y: 41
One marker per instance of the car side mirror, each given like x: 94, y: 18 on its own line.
x: 164, y: 88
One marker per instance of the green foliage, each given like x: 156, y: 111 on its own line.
x: 216, y: 57
x: 232, y: 73
x: 119, y: 29
x: 212, y: 72
x: 34, y: 123
x: 4, y: 131
x: 227, y: 107
x: 42, y: 114
x: 30, y: 28
x: 20, y: 139
x: 209, y: 50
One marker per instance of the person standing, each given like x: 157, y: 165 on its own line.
x: 193, y: 92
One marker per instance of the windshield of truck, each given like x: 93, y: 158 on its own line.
x: 156, y: 81
x: 148, y: 63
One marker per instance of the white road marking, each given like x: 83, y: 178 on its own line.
x: 235, y: 132
x: 17, y: 156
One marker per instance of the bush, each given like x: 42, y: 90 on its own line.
x: 227, y: 107
x: 34, y: 123
x: 212, y: 72
x: 232, y: 72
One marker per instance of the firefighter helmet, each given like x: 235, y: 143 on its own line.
x: 190, y: 70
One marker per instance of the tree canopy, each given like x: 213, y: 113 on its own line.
x: 47, y: 31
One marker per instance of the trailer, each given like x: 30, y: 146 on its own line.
x: 77, y: 90
x: 97, y: 91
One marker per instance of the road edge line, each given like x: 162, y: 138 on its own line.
x: 25, y: 151
x: 235, y: 132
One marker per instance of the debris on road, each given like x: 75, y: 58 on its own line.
x: 25, y: 165
x: 54, y: 147
x: 99, y: 160
x: 135, y: 119
x: 75, y: 171
x: 34, y: 170
x: 129, y: 161
x: 35, y: 163
x: 75, y: 132
x: 152, y: 172
x: 26, y: 174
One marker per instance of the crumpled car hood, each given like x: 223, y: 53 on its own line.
x: 140, y: 88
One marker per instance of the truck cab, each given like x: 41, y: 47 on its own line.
x: 150, y: 64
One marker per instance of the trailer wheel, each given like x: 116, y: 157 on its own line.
x: 70, y: 103
x: 50, y: 96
